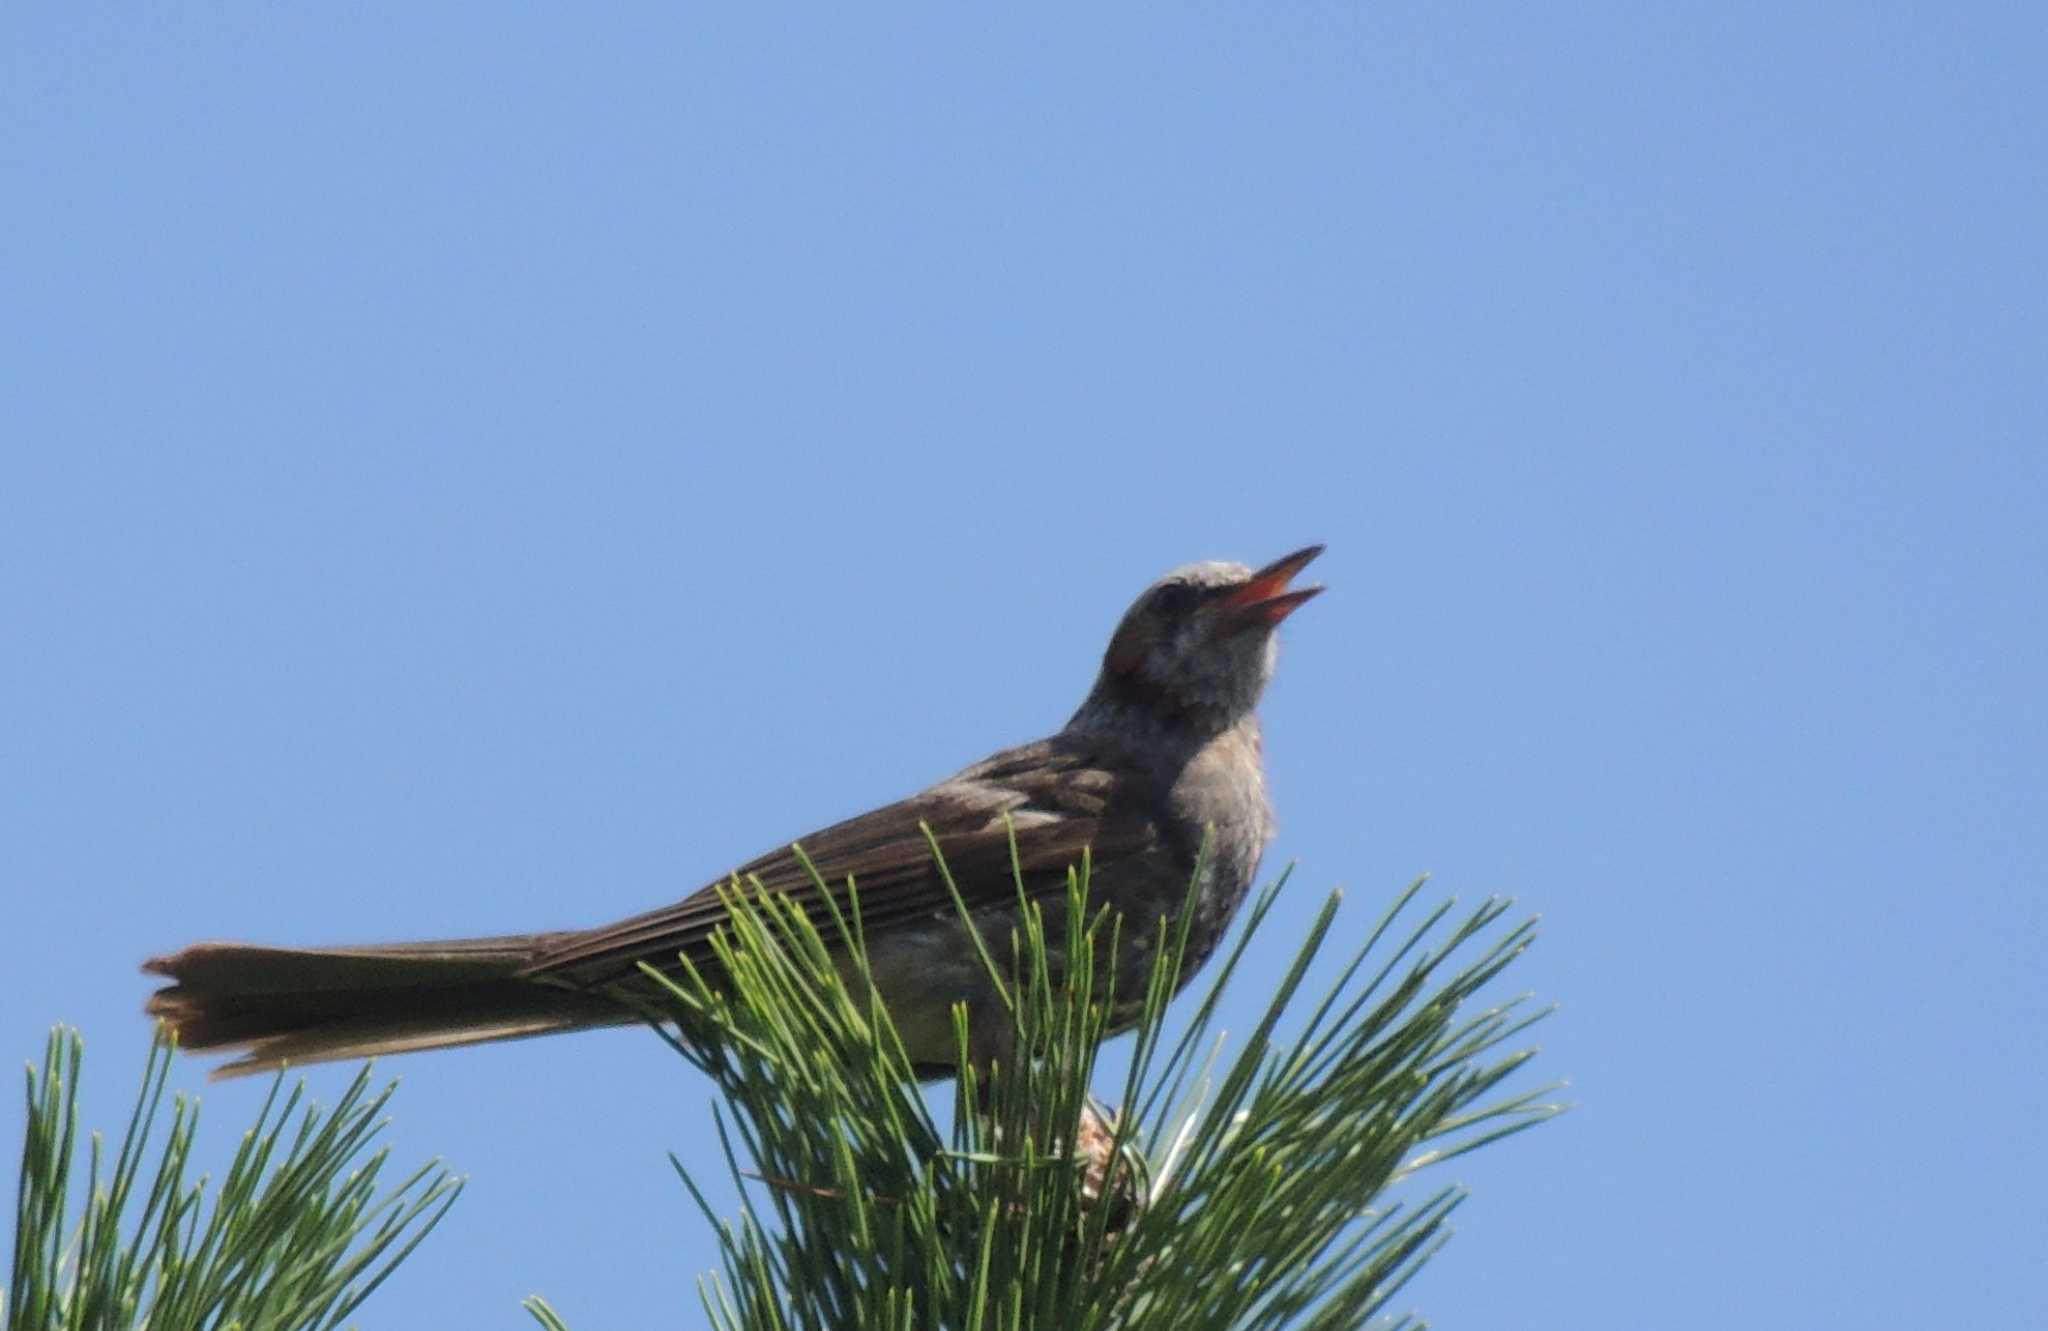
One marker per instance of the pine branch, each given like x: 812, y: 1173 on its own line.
x: 297, y: 1238
x: 1251, y: 1195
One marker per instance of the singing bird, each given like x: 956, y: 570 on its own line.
x: 1162, y: 754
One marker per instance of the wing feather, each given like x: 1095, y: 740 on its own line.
x: 1063, y: 797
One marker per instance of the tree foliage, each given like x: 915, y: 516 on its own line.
x: 1252, y: 1192
x: 297, y: 1235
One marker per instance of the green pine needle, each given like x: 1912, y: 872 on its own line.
x: 296, y: 1239
x: 1252, y: 1193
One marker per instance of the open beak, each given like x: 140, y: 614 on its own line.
x: 1266, y: 599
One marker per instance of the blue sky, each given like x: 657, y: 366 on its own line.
x: 480, y: 468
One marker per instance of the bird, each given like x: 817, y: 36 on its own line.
x: 1158, y: 774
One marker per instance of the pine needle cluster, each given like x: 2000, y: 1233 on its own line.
x: 296, y: 1237
x: 1252, y: 1192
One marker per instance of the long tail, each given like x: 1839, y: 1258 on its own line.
x: 315, y: 1005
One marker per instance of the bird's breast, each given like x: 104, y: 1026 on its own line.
x: 1222, y: 793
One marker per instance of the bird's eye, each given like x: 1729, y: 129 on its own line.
x: 1176, y: 598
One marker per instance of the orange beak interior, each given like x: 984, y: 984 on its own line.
x: 1266, y: 599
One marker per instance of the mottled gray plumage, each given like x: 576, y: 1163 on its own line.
x: 1164, y: 750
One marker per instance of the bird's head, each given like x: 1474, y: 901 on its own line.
x: 1197, y: 648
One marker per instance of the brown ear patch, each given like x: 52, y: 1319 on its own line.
x: 1131, y: 645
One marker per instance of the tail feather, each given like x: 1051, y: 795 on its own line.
x: 315, y: 1005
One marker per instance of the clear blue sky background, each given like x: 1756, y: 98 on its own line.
x: 472, y: 468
